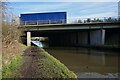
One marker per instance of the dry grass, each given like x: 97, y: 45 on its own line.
x: 10, y: 33
x: 11, y: 48
x: 10, y: 42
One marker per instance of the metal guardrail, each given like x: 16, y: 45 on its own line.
x: 71, y: 21
x: 38, y: 22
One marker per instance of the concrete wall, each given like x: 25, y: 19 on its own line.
x: 72, y: 39
x: 67, y: 40
x: 83, y: 38
x: 80, y: 38
x: 112, y: 37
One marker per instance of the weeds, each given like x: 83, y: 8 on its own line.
x: 12, y: 67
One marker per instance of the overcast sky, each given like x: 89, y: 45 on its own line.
x: 73, y: 9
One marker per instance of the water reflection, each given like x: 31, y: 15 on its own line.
x: 86, y: 60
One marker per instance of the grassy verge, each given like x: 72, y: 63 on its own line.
x: 53, y: 68
x: 12, y: 67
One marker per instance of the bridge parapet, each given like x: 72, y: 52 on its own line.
x: 72, y: 21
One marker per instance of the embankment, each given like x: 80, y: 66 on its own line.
x: 53, y: 67
x: 11, y: 49
x: 36, y: 63
x: 12, y: 59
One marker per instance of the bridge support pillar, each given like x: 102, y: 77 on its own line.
x: 97, y: 37
x: 28, y: 38
x: 103, y: 36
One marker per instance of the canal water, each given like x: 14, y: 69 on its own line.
x: 86, y: 60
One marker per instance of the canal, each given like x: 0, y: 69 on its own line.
x: 86, y: 60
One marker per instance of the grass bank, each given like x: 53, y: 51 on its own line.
x: 12, y: 67
x: 53, y: 68
x: 12, y: 59
x: 11, y: 49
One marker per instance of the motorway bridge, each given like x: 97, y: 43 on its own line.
x: 82, y: 34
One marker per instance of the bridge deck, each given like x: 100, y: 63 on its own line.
x: 95, y: 25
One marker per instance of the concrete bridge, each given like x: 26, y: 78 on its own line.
x: 82, y: 34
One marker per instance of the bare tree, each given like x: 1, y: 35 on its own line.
x: 3, y: 6
x: 3, y: 9
x: 6, y: 12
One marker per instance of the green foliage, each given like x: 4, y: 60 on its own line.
x: 110, y: 19
x: 88, y: 20
x: 12, y: 67
x: 79, y: 21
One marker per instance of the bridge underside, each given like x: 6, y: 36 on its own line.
x: 73, y: 38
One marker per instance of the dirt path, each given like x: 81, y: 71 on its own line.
x: 30, y: 66
x: 38, y: 64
